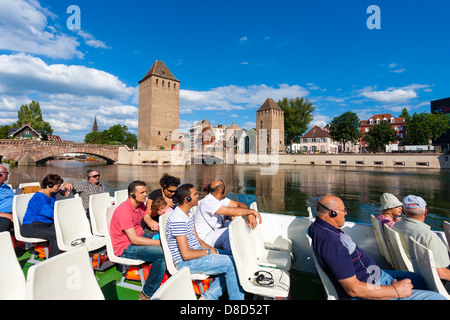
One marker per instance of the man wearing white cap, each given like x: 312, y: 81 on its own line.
x: 415, y: 210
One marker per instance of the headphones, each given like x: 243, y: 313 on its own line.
x: 223, y: 190
x: 333, y: 214
x: 263, y: 278
x: 188, y: 199
x: 133, y: 196
x: 50, y: 185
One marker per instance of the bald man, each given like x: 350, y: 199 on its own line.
x: 353, y: 272
x: 212, y: 211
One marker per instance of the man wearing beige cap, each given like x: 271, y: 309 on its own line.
x: 391, y: 209
x: 415, y: 210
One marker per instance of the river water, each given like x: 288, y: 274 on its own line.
x: 291, y: 191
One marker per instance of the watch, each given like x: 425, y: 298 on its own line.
x: 208, y: 252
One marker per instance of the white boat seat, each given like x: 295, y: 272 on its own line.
x: 423, y: 263
x: 247, y: 264
x: 97, y: 204
x: 12, y: 278
x: 120, y: 196
x: 20, y: 204
x: 380, y: 237
x: 72, y: 224
x: 177, y: 287
x: 399, y: 257
x: 447, y: 232
x: 67, y: 276
x: 168, y: 255
x: 108, y: 212
x: 330, y: 290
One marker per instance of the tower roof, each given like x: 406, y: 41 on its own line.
x: 269, y: 104
x: 159, y: 69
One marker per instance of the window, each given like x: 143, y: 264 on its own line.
x: 378, y: 120
x: 371, y: 121
x: 392, y: 120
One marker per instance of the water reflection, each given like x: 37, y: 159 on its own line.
x: 290, y: 191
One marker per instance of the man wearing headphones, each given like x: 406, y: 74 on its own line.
x: 212, y: 211
x: 353, y: 272
x: 129, y: 241
x: 89, y: 187
x: 188, y: 250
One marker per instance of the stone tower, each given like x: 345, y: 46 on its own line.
x: 159, y: 108
x: 95, y: 126
x: 270, y: 116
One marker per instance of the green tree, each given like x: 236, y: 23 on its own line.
x: 345, y: 128
x: 31, y: 114
x: 425, y: 127
x: 4, y: 131
x: 297, y: 117
x: 94, y: 138
x: 115, y: 135
x: 379, y: 136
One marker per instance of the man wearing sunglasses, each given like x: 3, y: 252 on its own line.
x: 89, y: 187
x: 6, y: 200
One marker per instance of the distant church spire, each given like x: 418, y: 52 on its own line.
x: 95, y: 126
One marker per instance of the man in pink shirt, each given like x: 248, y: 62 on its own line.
x: 129, y: 241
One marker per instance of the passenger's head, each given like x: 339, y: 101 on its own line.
x: 159, y: 206
x: 4, y: 174
x: 332, y: 210
x: 217, y: 188
x: 187, y: 194
x: 138, y: 191
x: 52, y: 181
x: 169, y: 185
x: 93, y: 176
x: 414, y: 206
x: 390, y: 204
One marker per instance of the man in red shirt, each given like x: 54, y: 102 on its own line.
x: 129, y: 241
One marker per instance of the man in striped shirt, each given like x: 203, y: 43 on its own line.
x: 89, y: 187
x: 189, y: 251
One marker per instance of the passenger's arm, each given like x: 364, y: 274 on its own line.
x: 356, y: 288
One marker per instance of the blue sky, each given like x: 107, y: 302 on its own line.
x: 230, y: 56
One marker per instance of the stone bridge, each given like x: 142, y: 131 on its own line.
x: 31, y: 152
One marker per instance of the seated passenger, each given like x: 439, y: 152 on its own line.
x: 159, y: 207
x: 168, y: 189
x: 352, y: 271
x: 38, y: 221
x: 189, y: 251
x: 391, y: 209
x: 413, y: 225
x: 6, y: 201
x: 212, y: 211
x: 129, y: 241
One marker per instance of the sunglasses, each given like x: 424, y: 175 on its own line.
x: 95, y: 176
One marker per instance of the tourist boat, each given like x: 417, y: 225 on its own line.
x: 280, y: 234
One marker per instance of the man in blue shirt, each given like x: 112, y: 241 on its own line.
x: 353, y: 272
x: 6, y: 201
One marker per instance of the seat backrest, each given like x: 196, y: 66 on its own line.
x: 12, y: 278
x: 71, y: 221
x: 243, y: 253
x: 67, y: 276
x: 20, y: 204
x: 399, y: 257
x: 29, y: 184
x: 120, y: 196
x: 423, y: 262
x: 97, y: 204
x: 330, y: 290
x: 379, y: 235
x: 177, y: 287
x: 447, y: 232
x: 165, y: 244
x: 108, y: 212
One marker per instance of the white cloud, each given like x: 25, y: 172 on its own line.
x: 393, y: 95
x: 24, y: 28
x: 24, y: 74
x: 91, y: 41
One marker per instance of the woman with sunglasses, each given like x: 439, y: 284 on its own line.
x: 169, y: 186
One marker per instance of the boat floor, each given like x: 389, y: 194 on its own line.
x: 304, y: 286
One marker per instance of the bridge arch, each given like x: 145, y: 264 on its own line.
x: 31, y: 152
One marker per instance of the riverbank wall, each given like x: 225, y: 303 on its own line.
x: 389, y: 160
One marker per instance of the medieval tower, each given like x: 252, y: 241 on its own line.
x: 159, y: 108
x: 270, y: 116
